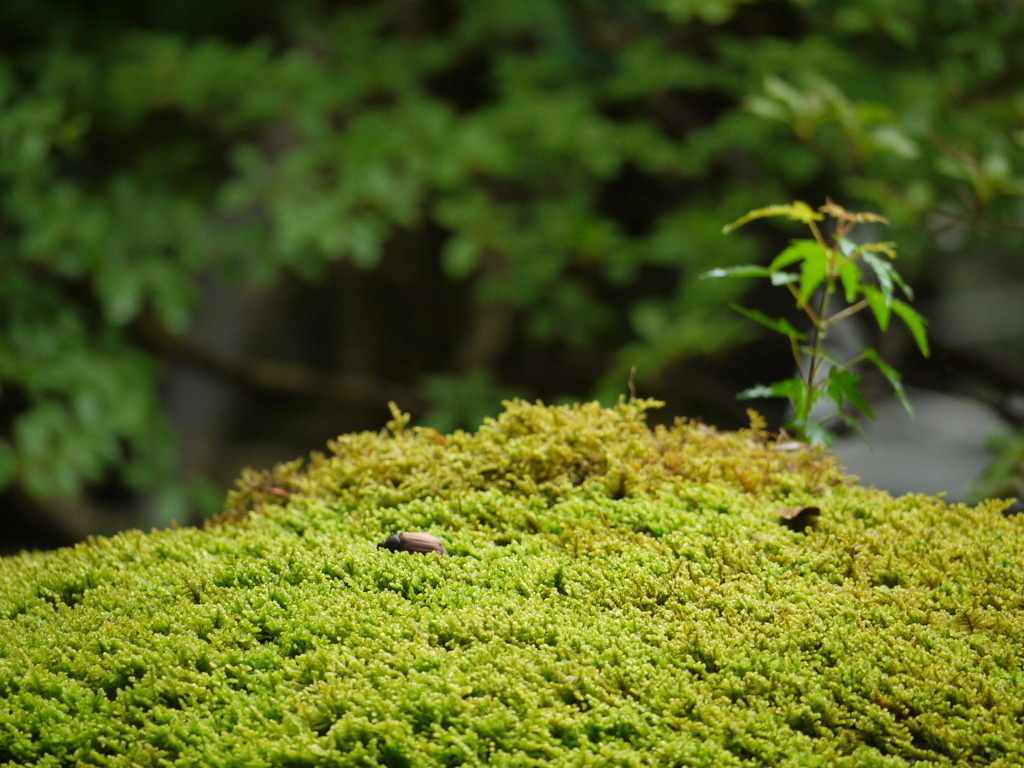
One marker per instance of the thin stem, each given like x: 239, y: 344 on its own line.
x: 854, y: 361
x: 798, y: 357
x: 842, y: 227
x: 803, y: 304
x: 828, y: 418
x: 850, y: 310
x: 817, y: 339
x: 817, y: 235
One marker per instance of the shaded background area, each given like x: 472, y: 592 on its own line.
x: 232, y: 231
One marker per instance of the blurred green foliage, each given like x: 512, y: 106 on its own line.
x: 563, y: 152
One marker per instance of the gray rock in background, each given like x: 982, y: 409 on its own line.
x: 942, y: 450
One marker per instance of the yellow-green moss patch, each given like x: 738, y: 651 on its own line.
x: 615, y: 595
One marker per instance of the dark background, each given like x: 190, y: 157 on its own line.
x: 231, y: 231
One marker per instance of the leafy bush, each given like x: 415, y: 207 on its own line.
x: 561, y: 167
x: 613, y: 594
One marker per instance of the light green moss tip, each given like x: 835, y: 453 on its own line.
x: 615, y: 594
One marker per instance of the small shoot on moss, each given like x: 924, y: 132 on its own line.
x: 813, y: 270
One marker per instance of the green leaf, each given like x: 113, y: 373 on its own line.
x: 886, y: 248
x: 915, y: 322
x: 745, y: 270
x: 892, y: 376
x: 788, y: 388
x: 813, y: 271
x: 798, y: 250
x: 756, y: 391
x: 792, y: 389
x: 883, y: 271
x: 845, y: 386
x: 815, y: 434
x: 806, y: 251
x: 887, y: 276
x: 849, y: 276
x: 879, y: 306
x: 796, y: 211
x: 784, y: 278
x: 853, y: 423
x: 781, y: 325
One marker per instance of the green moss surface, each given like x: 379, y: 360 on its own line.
x: 615, y: 595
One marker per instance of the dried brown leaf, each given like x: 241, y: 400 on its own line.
x: 798, y: 518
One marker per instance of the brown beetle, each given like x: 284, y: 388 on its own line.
x: 413, y: 542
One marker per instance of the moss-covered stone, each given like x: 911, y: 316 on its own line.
x: 614, y: 595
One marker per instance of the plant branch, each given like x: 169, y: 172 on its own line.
x: 845, y: 313
x: 795, y: 344
x: 804, y: 305
x: 817, y: 235
x: 817, y: 339
x: 855, y: 360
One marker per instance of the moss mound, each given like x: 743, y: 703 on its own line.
x: 614, y: 595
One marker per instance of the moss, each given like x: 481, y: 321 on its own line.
x: 615, y: 594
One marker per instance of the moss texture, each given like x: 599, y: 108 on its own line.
x: 614, y: 595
